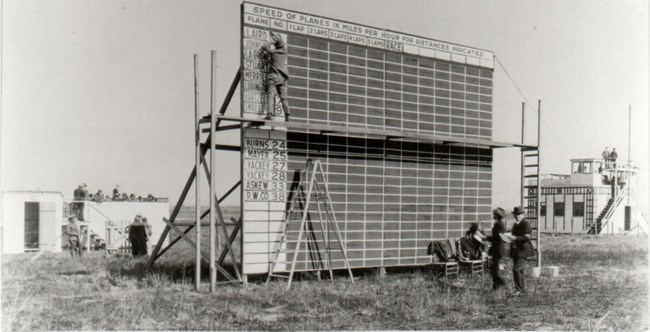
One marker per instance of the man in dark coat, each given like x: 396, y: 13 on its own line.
x: 276, y: 81
x: 496, y: 250
x: 80, y: 195
x: 520, y: 249
x: 613, y: 156
x: 138, y: 237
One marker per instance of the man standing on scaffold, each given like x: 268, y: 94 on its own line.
x: 276, y: 81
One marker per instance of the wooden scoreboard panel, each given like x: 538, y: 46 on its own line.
x: 391, y: 197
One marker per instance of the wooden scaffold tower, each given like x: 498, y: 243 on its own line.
x: 217, y: 253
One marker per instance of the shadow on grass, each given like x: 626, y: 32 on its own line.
x: 73, y: 273
x: 177, y: 271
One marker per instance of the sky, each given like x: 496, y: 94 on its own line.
x: 102, y: 91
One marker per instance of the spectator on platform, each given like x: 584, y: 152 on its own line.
x: 150, y: 198
x: 125, y: 197
x: 605, y: 154
x: 99, y: 196
x: 132, y: 197
x: 116, y: 192
x: 84, y: 190
x: 80, y: 195
x: 612, y: 157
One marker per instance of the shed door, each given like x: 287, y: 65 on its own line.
x: 32, y: 221
x: 48, y: 226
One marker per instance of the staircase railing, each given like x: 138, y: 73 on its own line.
x: 611, y: 211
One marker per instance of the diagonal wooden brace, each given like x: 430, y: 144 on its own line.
x: 190, y: 242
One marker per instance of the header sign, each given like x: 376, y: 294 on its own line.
x: 294, y: 22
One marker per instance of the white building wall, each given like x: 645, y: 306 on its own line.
x: 12, y: 220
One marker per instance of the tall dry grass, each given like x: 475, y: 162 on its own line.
x: 603, y: 285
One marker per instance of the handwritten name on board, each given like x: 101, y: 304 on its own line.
x: 265, y: 169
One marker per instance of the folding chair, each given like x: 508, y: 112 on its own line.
x: 471, y: 266
x: 444, y: 261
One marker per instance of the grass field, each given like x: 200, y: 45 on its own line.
x: 603, y: 285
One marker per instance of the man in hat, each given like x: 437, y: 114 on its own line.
x: 137, y: 236
x: 521, y: 248
x: 276, y: 80
x: 116, y: 192
x: 613, y: 156
x: 496, y: 250
x: 99, y: 196
x: 80, y: 195
x: 147, y: 227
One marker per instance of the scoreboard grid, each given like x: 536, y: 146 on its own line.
x: 392, y: 200
x: 334, y: 84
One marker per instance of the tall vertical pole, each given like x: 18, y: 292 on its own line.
x: 629, y: 154
x: 213, y: 158
x: 523, y: 169
x: 197, y: 163
x: 629, y: 135
x: 539, y: 187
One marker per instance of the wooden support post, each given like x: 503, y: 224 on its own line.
x: 522, y: 192
x: 539, y: 185
x: 197, y: 187
x: 213, y: 159
x: 156, y: 253
x: 221, y: 222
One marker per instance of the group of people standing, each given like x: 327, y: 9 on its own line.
x: 139, y: 232
x: 521, y: 247
x: 610, y: 156
x: 81, y: 195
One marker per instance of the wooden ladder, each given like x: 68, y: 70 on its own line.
x: 311, y: 189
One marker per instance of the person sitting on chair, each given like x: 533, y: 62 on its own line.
x: 475, y: 236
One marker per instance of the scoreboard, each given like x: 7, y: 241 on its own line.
x: 391, y: 197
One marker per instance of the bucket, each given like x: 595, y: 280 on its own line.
x: 537, y: 272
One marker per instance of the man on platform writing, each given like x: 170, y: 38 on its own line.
x: 276, y: 82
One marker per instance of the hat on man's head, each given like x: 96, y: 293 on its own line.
x: 518, y: 210
x: 499, y: 212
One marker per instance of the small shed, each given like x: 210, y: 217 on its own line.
x: 31, y: 221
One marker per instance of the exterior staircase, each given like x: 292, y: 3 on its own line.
x: 596, y: 226
x: 607, y: 213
